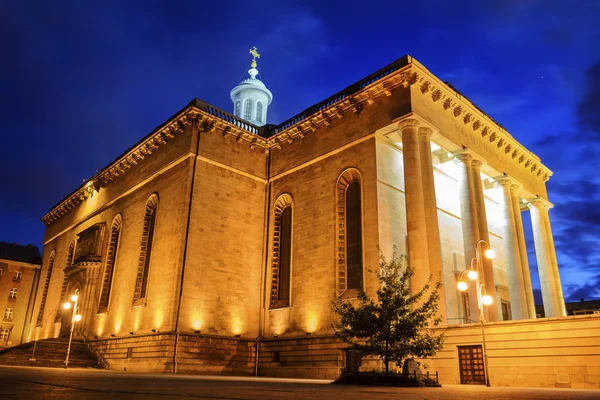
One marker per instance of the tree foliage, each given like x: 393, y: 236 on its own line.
x: 397, y: 325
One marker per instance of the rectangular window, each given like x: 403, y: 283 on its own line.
x: 466, y: 311
x: 4, y: 335
x: 506, y: 316
x: 8, y: 313
x: 17, y: 276
x: 13, y: 293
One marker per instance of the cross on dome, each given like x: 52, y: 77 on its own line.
x: 251, y: 98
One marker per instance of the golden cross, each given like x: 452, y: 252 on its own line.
x: 255, y: 55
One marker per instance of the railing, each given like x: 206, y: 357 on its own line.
x: 225, y: 116
x: 350, y: 90
x: 103, y: 362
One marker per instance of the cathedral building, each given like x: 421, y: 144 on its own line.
x: 217, y: 243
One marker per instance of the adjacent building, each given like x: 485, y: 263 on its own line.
x: 218, y: 242
x: 19, y: 275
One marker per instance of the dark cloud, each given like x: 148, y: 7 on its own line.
x: 588, y: 109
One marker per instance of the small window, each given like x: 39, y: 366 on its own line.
x: 259, y: 111
x: 248, y: 109
x: 4, y: 332
x: 17, y: 276
x: 8, y: 313
x: 129, y: 352
x: 466, y: 310
x: 506, y: 316
x: 238, y: 108
x: 13, y: 293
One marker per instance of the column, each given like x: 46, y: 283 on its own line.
x: 559, y: 292
x: 418, y: 255
x: 468, y: 216
x: 522, y: 251
x: 488, y: 269
x: 431, y: 218
x: 516, y: 287
x: 544, y: 248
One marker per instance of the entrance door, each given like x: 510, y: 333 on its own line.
x: 471, y: 365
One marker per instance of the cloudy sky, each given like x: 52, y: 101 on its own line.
x: 80, y: 82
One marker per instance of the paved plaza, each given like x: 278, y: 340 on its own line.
x: 46, y: 383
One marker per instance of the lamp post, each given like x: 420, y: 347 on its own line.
x: 483, y: 299
x: 74, y: 318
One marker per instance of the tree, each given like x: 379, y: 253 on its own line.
x: 396, y: 326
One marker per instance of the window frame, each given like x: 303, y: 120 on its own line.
x: 346, y: 178
x: 259, y: 111
x: 248, y: 109
x: 282, y: 203
x: 51, y: 261
x: 9, y: 313
x: 144, y: 262
x: 112, y: 253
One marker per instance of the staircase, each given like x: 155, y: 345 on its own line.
x: 50, y: 353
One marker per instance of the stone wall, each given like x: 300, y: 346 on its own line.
x: 308, y: 357
x: 550, y: 352
x: 195, y: 354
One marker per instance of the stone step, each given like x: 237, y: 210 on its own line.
x: 49, y: 353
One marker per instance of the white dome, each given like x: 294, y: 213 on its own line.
x: 251, y: 99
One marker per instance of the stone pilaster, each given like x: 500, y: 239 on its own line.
x: 416, y: 224
x: 522, y: 251
x: 488, y: 269
x: 546, y: 256
x: 516, y: 287
x: 468, y: 215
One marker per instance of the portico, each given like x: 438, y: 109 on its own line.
x: 485, y: 201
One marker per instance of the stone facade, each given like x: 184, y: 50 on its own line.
x: 215, y: 180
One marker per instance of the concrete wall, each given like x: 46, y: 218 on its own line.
x: 551, y: 352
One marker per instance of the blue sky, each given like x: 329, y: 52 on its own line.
x: 80, y: 82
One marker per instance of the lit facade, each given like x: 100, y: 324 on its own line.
x: 215, y: 245
x: 19, y: 276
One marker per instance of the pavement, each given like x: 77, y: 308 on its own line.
x: 81, y: 384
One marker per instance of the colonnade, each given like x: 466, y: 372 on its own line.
x: 424, y: 247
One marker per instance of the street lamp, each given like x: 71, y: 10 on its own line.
x: 76, y: 317
x: 483, y: 299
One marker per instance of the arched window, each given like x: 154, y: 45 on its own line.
x: 350, y: 254
x: 248, y: 109
x: 238, y: 108
x: 259, y: 111
x: 46, y: 285
x: 282, y: 252
x: 111, y: 256
x: 141, y: 281
x: 63, y: 290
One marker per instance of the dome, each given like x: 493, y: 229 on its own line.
x: 251, y: 98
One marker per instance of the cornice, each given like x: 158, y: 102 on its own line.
x: 206, y: 117
x: 467, y: 113
x: 352, y: 99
